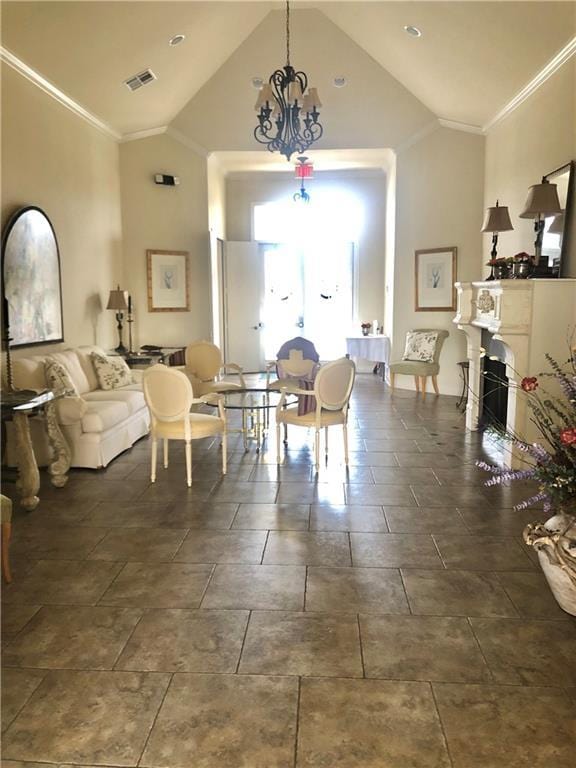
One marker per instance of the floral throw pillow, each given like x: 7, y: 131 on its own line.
x: 420, y: 346
x: 58, y: 378
x: 111, y: 372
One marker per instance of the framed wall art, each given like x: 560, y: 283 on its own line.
x: 32, y: 284
x: 168, y: 281
x: 434, y: 278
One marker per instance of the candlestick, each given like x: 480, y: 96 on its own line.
x: 129, y: 304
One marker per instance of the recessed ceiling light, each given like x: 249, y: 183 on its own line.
x: 176, y: 40
x: 257, y: 83
x: 340, y: 82
x: 412, y: 31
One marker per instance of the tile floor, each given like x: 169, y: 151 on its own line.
x: 381, y: 617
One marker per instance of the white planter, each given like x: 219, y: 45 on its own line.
x: 555, y: 542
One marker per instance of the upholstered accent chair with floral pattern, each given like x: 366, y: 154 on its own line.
x: 421, y: 358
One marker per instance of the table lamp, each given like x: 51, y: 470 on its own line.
x: 497, y: 220
x: 542, y: 202
x: 118, y: 301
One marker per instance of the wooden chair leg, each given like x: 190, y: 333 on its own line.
x: 346, y: 444
x: 6, y: 534
x: 417, y: 382
x: 188, y: 464
x: 224, y: 452
x: 435, y: 384
x: 153, y: 460
x: 424, y: 381
x: 392, y: 381
x: 326, y: 441
x: 277, y: 443
x: 317, y: 449
x: 165, y: 453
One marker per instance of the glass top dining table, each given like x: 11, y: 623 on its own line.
x: 255, y: 404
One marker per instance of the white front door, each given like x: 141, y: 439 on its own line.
x: 243, y: 293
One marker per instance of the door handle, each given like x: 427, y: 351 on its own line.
x: 257, y: 327
x: 300, y: 324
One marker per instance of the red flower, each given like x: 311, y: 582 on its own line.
x: 568, y: 436
x: 529, y: 383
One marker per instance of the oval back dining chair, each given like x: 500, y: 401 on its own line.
x: 169, y: 396
x: 332, y: 389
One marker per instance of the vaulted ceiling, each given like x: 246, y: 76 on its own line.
x: 472, y: 58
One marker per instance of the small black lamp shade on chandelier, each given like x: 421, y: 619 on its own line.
x: 119, y: 301
x: 287, y: 114
x: 542, y: 202
x: 497, y: 220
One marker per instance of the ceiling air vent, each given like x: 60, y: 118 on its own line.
x: 142, y: 78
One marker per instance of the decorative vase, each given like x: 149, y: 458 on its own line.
x: 555, y: 542
x: 501, y: 271
x: 521, y: 270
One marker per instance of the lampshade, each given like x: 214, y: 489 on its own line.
x: 314, y: 98
x: 295, y: 92
x: 118, y: 300
x: 497, y: 219
x: 557, y: 226
x: 265, y: 94
x: 542, y: 201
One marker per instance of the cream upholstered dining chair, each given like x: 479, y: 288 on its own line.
x: 204, y: 367
x: 296, y: 359
x: 421, y: 358
x: 169, y: 397
x: 332, y: 389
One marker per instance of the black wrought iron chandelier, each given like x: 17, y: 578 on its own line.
x: 287, y: 115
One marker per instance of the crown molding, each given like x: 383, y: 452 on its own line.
x: 187, y: 142
x: 455, y: 125
x: 45, y: 85
x: 429, y: 128
x: 145, y: 134
x: 545, y: 73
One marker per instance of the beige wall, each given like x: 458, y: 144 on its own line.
x: 370, y: 190
x: 55, y: 160
x: 439, y: 200
x: 217, y: 225
x: 535, y: 139
x: 165, y: 218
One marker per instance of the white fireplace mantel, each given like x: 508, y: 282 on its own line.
x: 531, y: 318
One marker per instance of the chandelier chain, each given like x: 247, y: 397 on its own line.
x: 287, y: 31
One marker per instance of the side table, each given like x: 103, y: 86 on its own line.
x: 18, y: 408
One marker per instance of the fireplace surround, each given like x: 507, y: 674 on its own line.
x: 527, y: 318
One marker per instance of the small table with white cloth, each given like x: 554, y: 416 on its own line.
x: 374, y: 347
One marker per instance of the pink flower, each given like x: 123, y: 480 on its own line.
x: 568, y: 436
x: 529, y: 383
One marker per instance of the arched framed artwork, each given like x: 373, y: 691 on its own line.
x: 31, y: 280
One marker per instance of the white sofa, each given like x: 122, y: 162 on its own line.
x: 99, y: 424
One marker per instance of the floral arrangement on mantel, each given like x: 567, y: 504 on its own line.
x: 552, y: 464
x: 366, y: 328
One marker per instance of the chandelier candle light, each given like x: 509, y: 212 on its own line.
x: 287, y: 115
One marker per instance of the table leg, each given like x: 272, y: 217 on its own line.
x: 62, y: 455
x: 28, y: 483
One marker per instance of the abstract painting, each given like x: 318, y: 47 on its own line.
x: 434, y: 278
x: 31, y: 279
